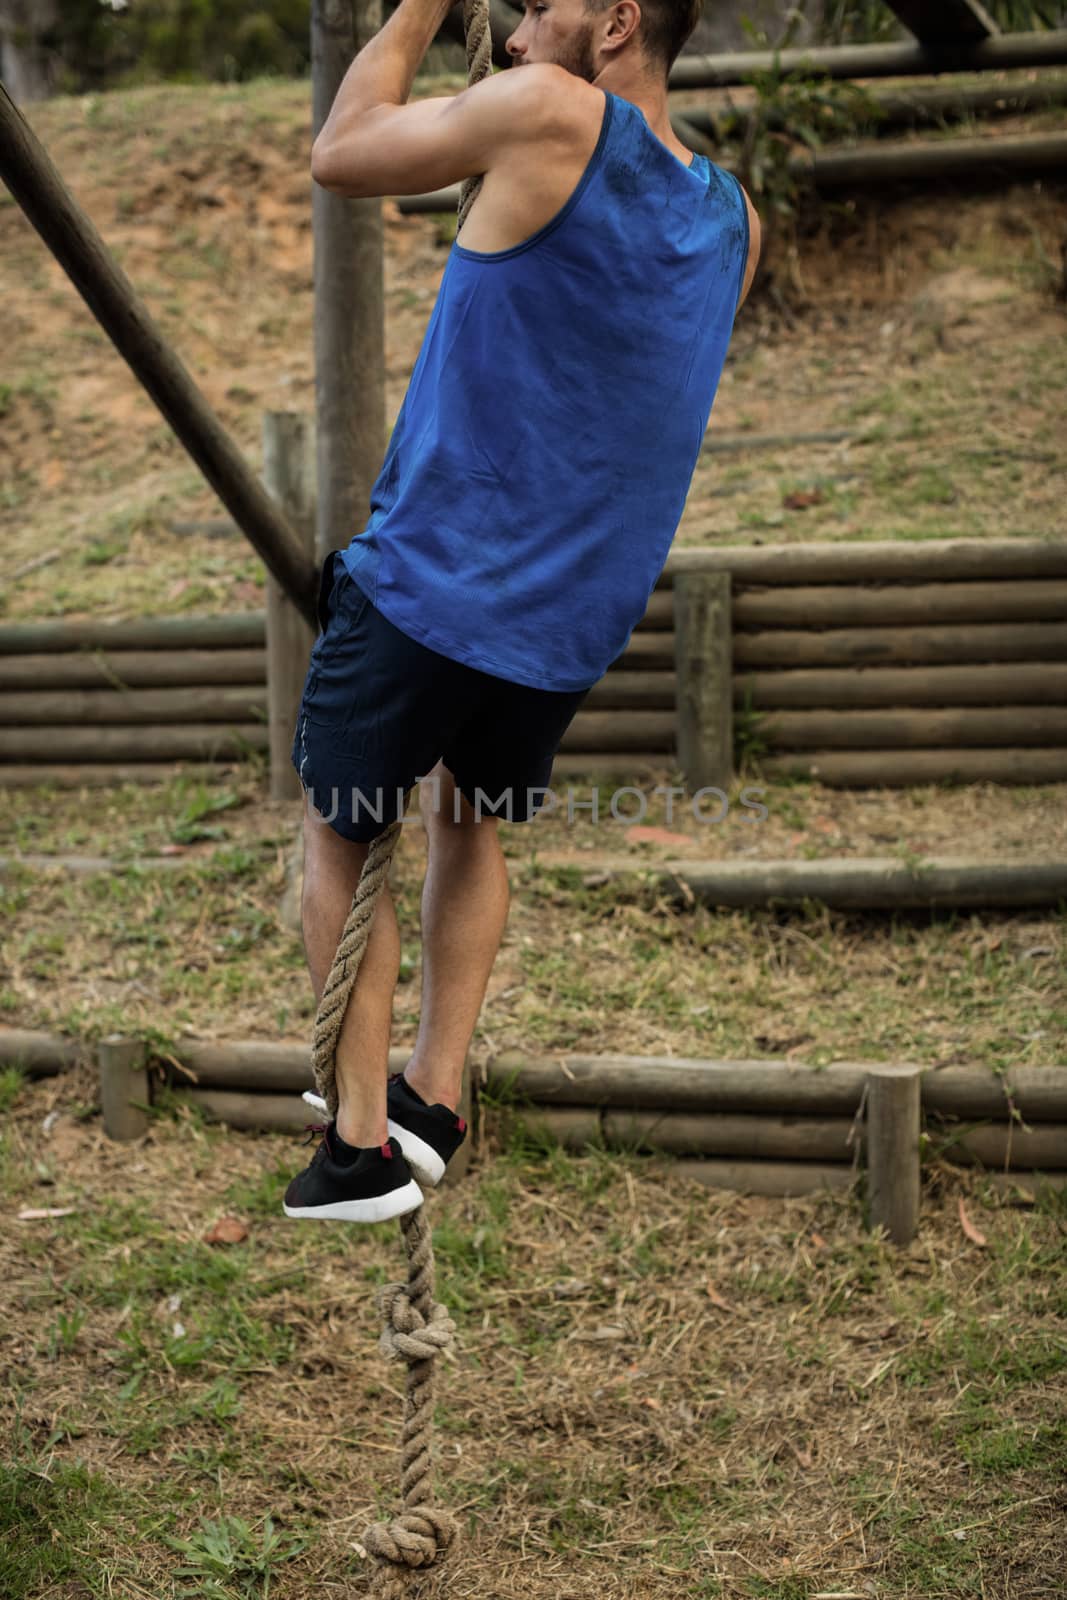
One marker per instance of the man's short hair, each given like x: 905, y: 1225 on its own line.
x: 664, y: 28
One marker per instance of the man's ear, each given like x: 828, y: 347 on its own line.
x: 623, y: 23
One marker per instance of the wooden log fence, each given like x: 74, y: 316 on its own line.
x: 767, y: 1127
x: 878, y: 664
x: 875, y: 162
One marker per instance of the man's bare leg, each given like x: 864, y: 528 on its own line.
x: 465, y: 900
x: 332, y: 866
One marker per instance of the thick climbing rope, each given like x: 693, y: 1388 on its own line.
x: 416, y: 1328
x: 479, y: 66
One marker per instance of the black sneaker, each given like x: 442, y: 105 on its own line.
x: 429, y: 1136
x: 374, y: 1187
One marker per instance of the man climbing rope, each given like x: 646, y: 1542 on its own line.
x: 532, y: 487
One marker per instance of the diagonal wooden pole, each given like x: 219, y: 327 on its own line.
x: 33, y: 179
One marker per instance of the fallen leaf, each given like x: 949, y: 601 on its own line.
x: 171, y: 850
x: 803, y: 1456
x: 227, y: 1230
x: 801, y: 499
x: 968, y: 1226
x: 818, y: 1241
x: 35, y: 1213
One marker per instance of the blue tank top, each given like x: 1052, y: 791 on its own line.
x: 540, y: 462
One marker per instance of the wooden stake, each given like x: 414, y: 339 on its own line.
x: 349, y: 300
x: 704, y: 675
x: 123, y: 1081
x: 893, y: 1121
x: 289, y: 473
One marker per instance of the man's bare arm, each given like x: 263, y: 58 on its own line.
x: 374, y: 143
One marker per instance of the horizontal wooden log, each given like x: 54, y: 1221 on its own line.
x: 855, y: 647
x: 875, y: 883
x: 130, y: 707
x: 647, y: 652
x: 192, y: 741
x: 672, y: 1083
x: 621, y: 690
x: 907, y: 104
x: 882, y: 605
x: 608, y: 730
x: 1006, y: 52
x: 924, y: 160
x: 273, y: 1113
x: 241, y: 630
x: 1001, y: 683
x: 780, y: 1178
x: 132, y: 669
x: 867, y: 165
x: 900, y: 769
x: 90, y: 775
x: 628, y: 766
x: 786, y: 1138
x: 40, y: 1055
x: 263, y: 1066
x: 573, y: 1127
x: 1025, y: 1185
x: 659, y: 614
x: 1041, y: 1146
x: 875, y: 561
x: 946, y: 729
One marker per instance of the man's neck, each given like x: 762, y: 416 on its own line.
x: 650, y: 97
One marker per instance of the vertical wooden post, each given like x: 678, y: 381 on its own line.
x: 894, y: 1097
x: 289, y: 475
x: 457, y: 1167
x: 703, y: 658
x: 349, y: 300
x: 123, y: 1079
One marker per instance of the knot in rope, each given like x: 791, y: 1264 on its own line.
x: 407, y: 1334
x: 413, y: 1539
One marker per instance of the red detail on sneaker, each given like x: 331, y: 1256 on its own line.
x: 461, y: 1125
x: 387, y: 1151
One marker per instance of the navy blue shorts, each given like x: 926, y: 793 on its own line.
x: 380, y: 709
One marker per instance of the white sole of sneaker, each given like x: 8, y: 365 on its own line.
x: 377, y: 1208
x: 421, y: 1157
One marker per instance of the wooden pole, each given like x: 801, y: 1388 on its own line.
x: 289, y: 473
x: 900, y: 769
x: 27, y: 169
x: 704, y: 678
x: 893, y: 1125
x: 133, y: 669
x: 1007, y: 683
x: 124, y: 1090
x: 349, y: 301
x: 880, y: 561
x: 850, y: 605
x: 245, y: 631
x: 1006, y: 51
x: 180, y: 741
x: 907, y: 161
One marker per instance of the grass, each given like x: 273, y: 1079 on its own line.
x: 215, y: 1420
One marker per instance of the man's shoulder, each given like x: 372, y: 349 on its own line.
x: 542, y: 98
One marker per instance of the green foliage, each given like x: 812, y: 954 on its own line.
x: 226, y: 1558
x: 179, y: 40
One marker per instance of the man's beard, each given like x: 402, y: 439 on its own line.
x: 576, y: 55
